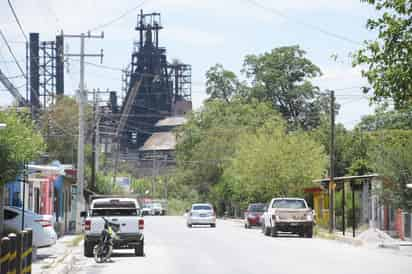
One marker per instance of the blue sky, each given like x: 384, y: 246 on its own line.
x: 202, y: 33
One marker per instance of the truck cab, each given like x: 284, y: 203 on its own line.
x: 125, y: 212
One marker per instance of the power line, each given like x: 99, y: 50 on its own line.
x: 12, y: 54
x: 101, y: 26
x: 303, y: 23
x: 17, y: 20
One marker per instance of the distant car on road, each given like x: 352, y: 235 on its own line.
x: 157, y: 209
x: 147, y: 209
x: 288, y: 215
x: 201, y: 214
x: 253, y: 214
x: 42, y: 225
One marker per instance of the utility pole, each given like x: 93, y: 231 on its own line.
x: 81, y: 205
x: 332, y: 164
x: 95, y: 125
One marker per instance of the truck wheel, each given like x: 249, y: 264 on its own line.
x: 212, y: 225
x: 309, y: 232
x: 88, y: 249
x: 266, y: 231
x: 189, y: 225
x: 274, y: 232
x: 139, y: 251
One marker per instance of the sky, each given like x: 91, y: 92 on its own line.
x: 201, y: 33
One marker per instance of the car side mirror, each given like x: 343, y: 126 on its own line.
x: 83, y: 214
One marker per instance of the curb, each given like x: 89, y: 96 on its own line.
x: 334, y: 237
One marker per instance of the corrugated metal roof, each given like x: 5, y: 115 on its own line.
x: 160, y: 141
x: 172, y: 121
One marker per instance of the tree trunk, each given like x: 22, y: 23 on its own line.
x: 1, y: 209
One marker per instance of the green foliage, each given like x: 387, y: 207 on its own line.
x: 208, y: 140
x: 60, y: 126
x: 388, y: 58
x: 222, y: 84
x: 281, y: 77
x: 105, y: 184
x: 272, y: 163
x: 391, y: 157
x: 19, y: 142
x: 384, y: 119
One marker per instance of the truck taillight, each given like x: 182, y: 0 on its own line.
x: 87, y: 224
x: 141, y: 224
x: 44, y: 223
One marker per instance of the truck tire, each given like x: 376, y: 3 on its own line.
x: 189, y: 225
x: 88, y: 249
x: 212, y: 225
x: 139, y: 250
x: 274, y: 232
x: 309, y: 232
x: 266, y: 231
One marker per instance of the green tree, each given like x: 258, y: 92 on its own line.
x: 388, y: 57
x: 271, y: 162
x: 19, y: 142
x: 208, y: 140
x: 391, y: 157
x: 221, y: 83
x: 60, y: 127
x: 282, y: 77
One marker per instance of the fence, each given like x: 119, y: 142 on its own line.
x: 16, y: 253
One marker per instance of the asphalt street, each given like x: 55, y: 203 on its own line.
x: 173, y: 248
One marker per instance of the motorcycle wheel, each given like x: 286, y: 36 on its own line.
x: 97, y: 254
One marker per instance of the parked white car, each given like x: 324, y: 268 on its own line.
x: 147, y: 209
x: 42, y: 225
x: 201, y: 214
x: 157, y: 209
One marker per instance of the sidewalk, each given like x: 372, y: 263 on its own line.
x: 55, y: 258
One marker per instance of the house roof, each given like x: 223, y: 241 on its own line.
x: 160, y: 141
x: 347, y: 178
x: 172, y: 121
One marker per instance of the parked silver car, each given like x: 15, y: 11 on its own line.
x: 201, y: 214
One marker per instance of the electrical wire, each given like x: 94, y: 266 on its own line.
x: 17, y: 20
x: 124, y: 14
x: 12, y: 54
x: 303, y: 23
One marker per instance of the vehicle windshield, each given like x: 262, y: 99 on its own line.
x: 202, y: 207
x: 115, y: 212
x: 256, y: 208
x: 291, y: 204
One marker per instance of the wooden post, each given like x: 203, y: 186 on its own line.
x: 13, y: 254
x: 343, y: 208
x: 4, y: 255
x: 19, y: 252
x: 353, y: 209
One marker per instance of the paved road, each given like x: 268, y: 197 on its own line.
x: 172, y: 248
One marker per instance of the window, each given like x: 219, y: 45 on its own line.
x: 292, y: 204
x: 256, y: 208
x: 8, y: 214
x: 114, y: 212
x: 201, y: 207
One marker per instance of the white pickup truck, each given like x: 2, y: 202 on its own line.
x: 125, y: 212
x: 288, y: 215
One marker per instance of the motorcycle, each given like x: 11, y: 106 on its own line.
x: 103, y: 250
